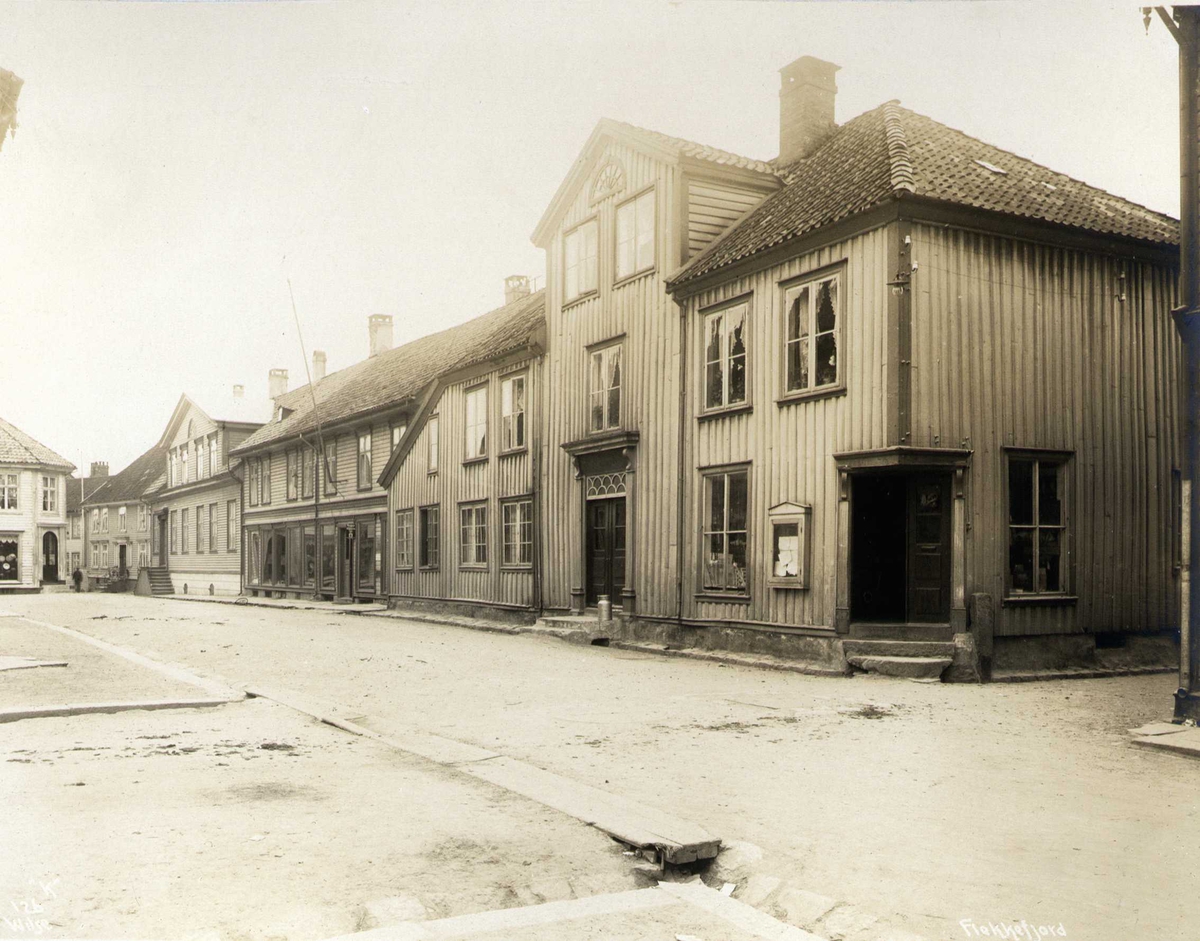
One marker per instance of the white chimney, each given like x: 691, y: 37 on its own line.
x: 276, y: 383
x: 806, y: 96
x: 318, y: 369
x: 239, y: 391
x: 379, y: 330
x: 516, y: 286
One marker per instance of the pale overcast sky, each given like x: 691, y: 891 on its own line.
x: 175, y: 163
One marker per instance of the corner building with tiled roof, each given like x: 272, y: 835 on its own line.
x: 33, y: 524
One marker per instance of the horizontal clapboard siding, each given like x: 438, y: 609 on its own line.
x: 712, y: 208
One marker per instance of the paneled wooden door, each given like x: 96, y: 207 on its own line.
x: 929, y: 548
x: 605, y: 549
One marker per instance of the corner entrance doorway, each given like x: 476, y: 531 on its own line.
x: 900, y: 562
x: 605, y: 549
x: 50, y: 557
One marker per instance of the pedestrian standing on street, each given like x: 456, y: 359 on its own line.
x: 77, y: 577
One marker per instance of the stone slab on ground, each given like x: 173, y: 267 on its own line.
x: 912, y: 668
x: 28, y: 663
x: 1185, y: 741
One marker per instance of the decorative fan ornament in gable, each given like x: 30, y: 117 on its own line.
x: 609, y: 179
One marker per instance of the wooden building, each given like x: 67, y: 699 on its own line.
x: 931, y: 393
x: 462, y: 482
x: 313, y: 510
x: 196, y: 542
x: 32, y: 511
x: 78, y: 489
x: 116, y: 523
x: 635, y: 206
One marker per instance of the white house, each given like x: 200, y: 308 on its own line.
x: 32, y: 511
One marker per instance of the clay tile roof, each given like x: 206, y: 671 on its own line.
x: 400, y: 374
x: 135, y: 480
x: 891, y: 151
x: 90, y: 486
x: 16, y: 447
x: 698, y: 151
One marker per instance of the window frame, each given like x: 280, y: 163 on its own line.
x: 432, y: 444
x: 307, y: 470
x: 405, y: 543
x: 292, y: 457
x: 507, y: 383
x: 477, y: 524
x: 10, y: 491
x: 577, y: 232
x: 1063, y: 462
x: 835, y: 271
x: 516, y: 503
x: 359, y: 455
x: 427, y: 561
x: 329, y: 462
x: 402, y: 427
x: 265, y: 480
x: 183, y: 530
x: 122, y: 519
x: 619, y: 278
x: 708, y: 474
x: 49, y: 493
x: 231, y: 531
x: 602, y: 349
x: 722, y: 310
x: 481, y: 448
x: 800, y: 516
x: 212, y: 528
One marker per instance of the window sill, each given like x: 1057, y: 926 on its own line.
x: 513, y: 452
x: 482, y: 459
x: 406, y: 569
x: 517, y: 568
x: 1039, y: 599
x: 472, y: 568
x: 630, y: 278
x: 430, y: 568
x: 787, y: 585
x: 580, y: 298
x: 718, y: 598
x: 744, y: 408
x: 825, y: 392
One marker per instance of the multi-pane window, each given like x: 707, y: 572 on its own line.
x: 580, y: 255
x: 398, y: 430
x: 306, y: 472
x: 512, y: 411
x: 183, y: 530
x: 293, y: 475
x: 364, y: 460
x: 1037, y: 525
x: 183, y: 464
x: 635, y: 235
x: 231, y: 528
x: 214, y: 454
x: 725, y: 357
x: 265, y: 480
x: 331, y: 487
x: 200, y: 529
x: 430, y: 537
x: 8, y: 491
x: 472, y: 541
x: 143, y: 518
x: 174, y: 529
x: 517, y: 525
x: 254, y: 481
x: 104, y: 519
x: 212, y: 527
x: 201, y: 463
x: 431, y: 437
x: 121, y: 520
x: 404, y: 539
x: 811, y: 339
x: 725, y: 515
x: 476, y: 422
x: 605, y: 388
x: 49, y: 494
x: 143, y: 554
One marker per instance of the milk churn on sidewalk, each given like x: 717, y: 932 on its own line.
x: 605, y: 608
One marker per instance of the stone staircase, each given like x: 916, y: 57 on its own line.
x: 915, y: 653
x: 160, y: 582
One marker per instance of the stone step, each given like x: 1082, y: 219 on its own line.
x: 913, y: 668
x: 894, y: 631
x: 898, y: 648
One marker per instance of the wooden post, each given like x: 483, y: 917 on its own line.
x: 629, y: 592
x: 841, y: 617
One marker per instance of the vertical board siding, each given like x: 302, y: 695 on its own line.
x: 789, y: 447
x: 712, y: 208
x: 640, y: 311
x: 1028, y: 346
x: 499, y: 477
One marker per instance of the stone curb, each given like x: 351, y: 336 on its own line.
x: 1037, y: 676
x: 79, y: 709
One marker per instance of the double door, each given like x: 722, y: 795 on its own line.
x: 605, y: 549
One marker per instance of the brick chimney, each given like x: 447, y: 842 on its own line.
x: 806, y: 95
x: 516, y: 286
x: 99, y: 469
x: 379, y: 330
x: 276, y: 383
x: 239, y: 391
x: 318, y: 369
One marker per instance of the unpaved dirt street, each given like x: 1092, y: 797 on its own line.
x: 930, y: 803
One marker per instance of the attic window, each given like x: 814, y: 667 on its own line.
x: 281, y: 413
x: 992, y: 167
